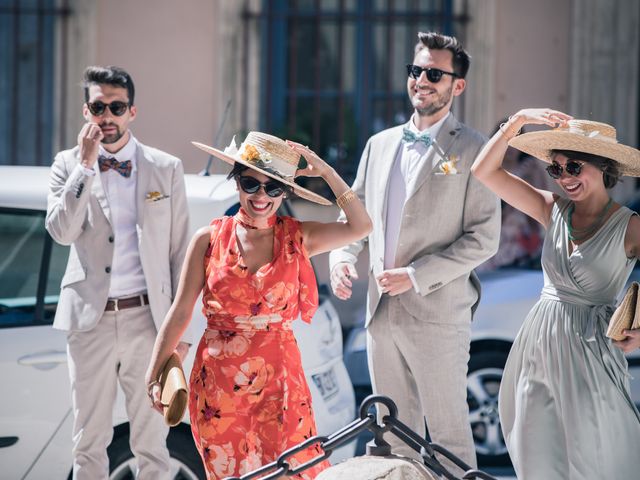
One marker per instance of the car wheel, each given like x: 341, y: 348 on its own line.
x: 185, y: 460
x: 483, y: 385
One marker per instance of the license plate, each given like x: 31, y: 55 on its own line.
x: 326, y: 382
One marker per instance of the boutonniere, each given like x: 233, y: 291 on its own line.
x: 447, y: 165
x: 155, y: 196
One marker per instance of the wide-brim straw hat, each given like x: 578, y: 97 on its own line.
x: 268, y: 155
x: 581, y: 136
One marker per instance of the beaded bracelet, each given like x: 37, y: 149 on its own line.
x: 346, y: 198
x: 504, y: 130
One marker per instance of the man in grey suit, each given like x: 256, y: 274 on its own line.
x: 433, y: 224
x: 122, y: 207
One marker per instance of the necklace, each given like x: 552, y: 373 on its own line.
x: 251, y: 223
x: 579, y: 234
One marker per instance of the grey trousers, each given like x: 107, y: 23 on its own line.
x: 422, y: 367
x: 117, y: 350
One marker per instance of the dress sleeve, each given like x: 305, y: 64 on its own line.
x: 308, y: 293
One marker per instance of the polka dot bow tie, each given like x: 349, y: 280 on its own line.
x: 123, y: 168
x: 409, y: 137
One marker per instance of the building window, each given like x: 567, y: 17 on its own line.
x: 334, y: 70
x: 28, y: 33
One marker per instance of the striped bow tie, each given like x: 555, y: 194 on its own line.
x: 123, y: 168
x: 409, y: 137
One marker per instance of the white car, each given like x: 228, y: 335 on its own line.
x: 35, y: 403
x: 507, y: 296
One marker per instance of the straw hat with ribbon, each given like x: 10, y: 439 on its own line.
x: 581, y: 136
x: 268, y: 155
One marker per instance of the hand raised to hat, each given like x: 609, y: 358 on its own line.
x: 316, y: 167
x: 535, y: 116
x: 89, y: 140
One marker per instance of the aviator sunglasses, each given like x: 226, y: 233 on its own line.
x: 572, y: 168
x: 117, y: 108
x: 251, y: 185
x: 434, y: 75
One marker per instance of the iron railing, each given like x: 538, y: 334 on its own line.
x: 378, y: 446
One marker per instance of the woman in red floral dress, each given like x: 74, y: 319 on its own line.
x: 249, y: 400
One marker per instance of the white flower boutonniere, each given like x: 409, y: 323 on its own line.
x: 448, y: 166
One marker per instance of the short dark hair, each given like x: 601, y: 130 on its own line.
x: 110, y: 75
x: 238, y: 168
x: 610, y: 168
x: 438, y: 41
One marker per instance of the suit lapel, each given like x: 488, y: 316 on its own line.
x: 446, y: 136
x: 142, y: 182
x: 98, y: 191
x: 388, y: 157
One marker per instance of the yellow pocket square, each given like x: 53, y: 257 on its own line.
x: 155, y: 196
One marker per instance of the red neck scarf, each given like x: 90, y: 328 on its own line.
x: 248, y: 222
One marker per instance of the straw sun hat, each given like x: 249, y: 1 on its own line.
x: 268, y: 155
x: 581, y: 136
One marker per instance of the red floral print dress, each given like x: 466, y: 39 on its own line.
x: 249, y: 400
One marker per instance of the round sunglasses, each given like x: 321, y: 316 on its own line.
x: 117, y: 107
x: 572, y: 168
x: 250, y: 185
x: 434, y: 75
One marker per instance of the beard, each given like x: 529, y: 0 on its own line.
x: 114, y: 137
x: 440, y: 102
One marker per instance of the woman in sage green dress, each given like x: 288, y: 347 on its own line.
x: 564, y: 400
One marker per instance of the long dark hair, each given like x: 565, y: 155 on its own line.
x: 610, y: 169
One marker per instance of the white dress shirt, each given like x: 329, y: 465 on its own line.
x: 127, y: 277
x: 402, y: 180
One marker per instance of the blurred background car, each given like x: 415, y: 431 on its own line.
x: 35, y: 406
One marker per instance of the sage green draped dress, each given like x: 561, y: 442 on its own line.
x: 564, y: 401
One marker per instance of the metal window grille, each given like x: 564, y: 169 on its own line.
x: 333, y: 70
x: 28, y: 33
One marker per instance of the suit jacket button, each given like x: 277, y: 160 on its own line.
x: 111, y: 239
x: 108, y: 269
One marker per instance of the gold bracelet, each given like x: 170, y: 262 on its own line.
x: 346, y: 198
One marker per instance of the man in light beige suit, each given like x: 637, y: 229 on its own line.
x: 433, y: 224
x: 122, y: 207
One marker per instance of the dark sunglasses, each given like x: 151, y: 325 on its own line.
x: 251, y: 185
x: 117, y: 108
x: 572, y: 168
x: 434, y: 75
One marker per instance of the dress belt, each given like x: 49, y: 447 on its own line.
x: 115, y: 304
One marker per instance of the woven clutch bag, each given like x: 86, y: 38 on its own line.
x: 174, y: 395
x: 627, y: 315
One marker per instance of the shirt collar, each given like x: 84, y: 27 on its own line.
x: 433, y: 130
x: 128, y: 152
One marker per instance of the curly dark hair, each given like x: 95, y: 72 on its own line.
x: 610, y: 169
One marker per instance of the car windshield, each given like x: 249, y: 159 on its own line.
x: 31, y: 266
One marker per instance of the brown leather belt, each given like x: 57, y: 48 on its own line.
x: 115, y: 304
